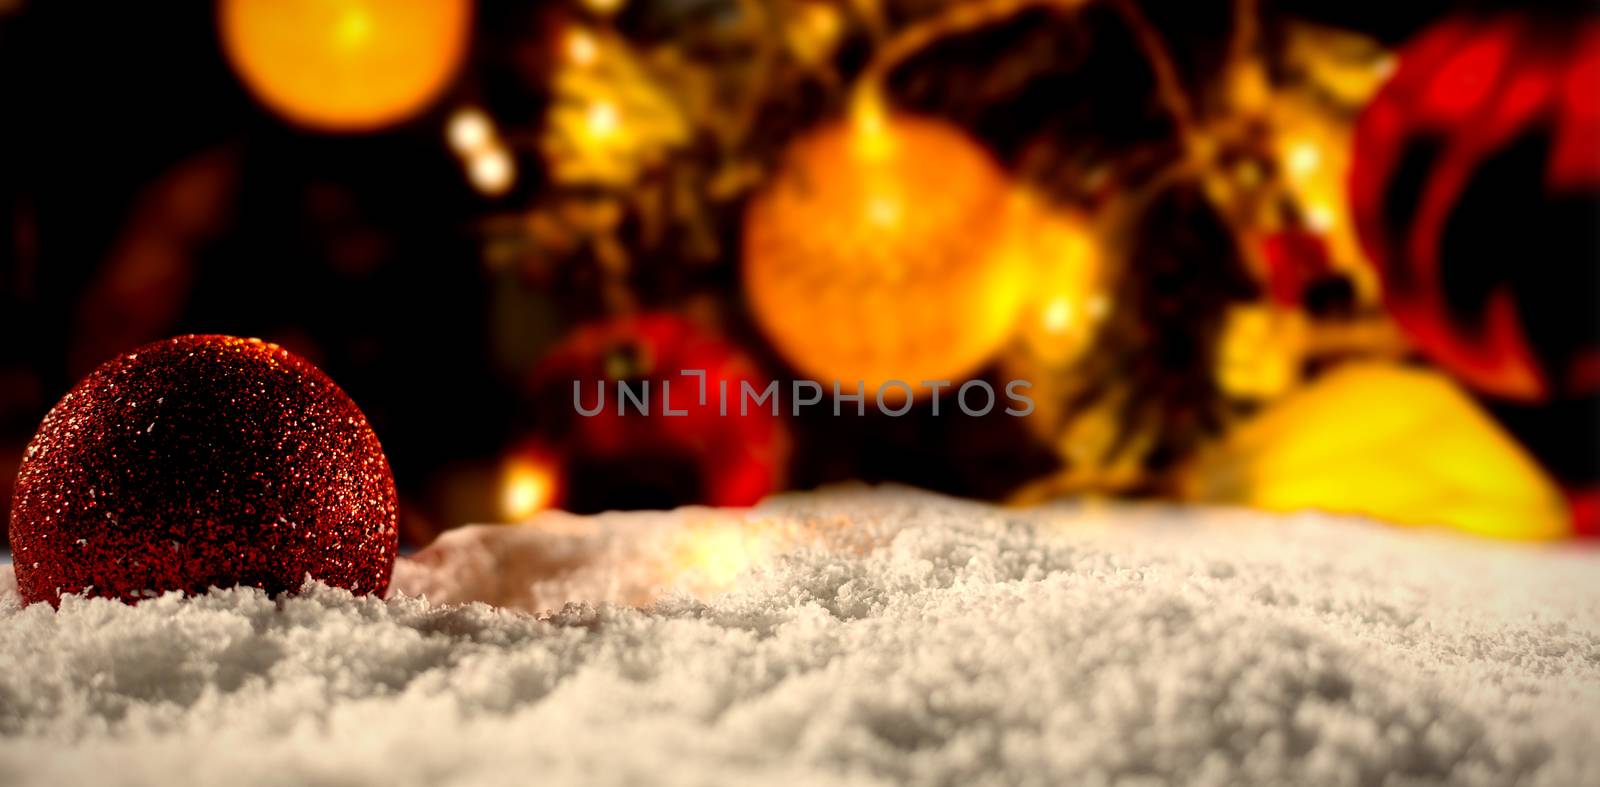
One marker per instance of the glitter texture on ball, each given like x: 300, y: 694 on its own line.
x: 203, y: 461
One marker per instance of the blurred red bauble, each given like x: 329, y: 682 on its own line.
x: 1475, y: 188
x: 203, y: 461
x: 1296, y: 259
x: 633, y: 460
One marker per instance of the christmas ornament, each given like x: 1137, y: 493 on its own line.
x: 1403, y: 445
x: 345, y: 65
x: 675, y: 442
x: 877, y: 253
x: 202, y: 461
x: 1474, y: 191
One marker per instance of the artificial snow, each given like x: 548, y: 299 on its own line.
x: 859, y: 637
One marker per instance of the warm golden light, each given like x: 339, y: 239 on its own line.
x: 814, y: 31
x: 1303, y: 158
x: 492, y: 170
x: 1067, y: 293
x: 602, y: 120
x: 582, y: 48
x: 354, y: 28
x: 870, y: 138
x: 610, y: 118
x: 715, y: 554
x: 1313, y: 154
x: 345, y: 65
x: 470, y: 131
x: 879, y: 252
x: 1057, y: 316
x: 527, y: 487
x: 1399, y: 444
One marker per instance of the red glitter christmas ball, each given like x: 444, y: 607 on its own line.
x: 203, y: 461
x: 708, y: 453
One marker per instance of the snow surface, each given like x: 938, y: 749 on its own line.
x: 874, y: 637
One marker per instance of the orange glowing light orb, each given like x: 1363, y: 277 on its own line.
x: 345, y: 65
x: 877, y: 253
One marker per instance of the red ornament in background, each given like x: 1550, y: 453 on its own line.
x: 1296, y: 259
x: 634, y: 460
x: 203, y: 461
x: 1475, y: 189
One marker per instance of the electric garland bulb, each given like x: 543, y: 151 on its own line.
x: 470, y: 131
x: 492, y: 170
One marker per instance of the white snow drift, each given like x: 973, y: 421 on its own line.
x: 873, y: 638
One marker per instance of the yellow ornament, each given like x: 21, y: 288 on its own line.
x: 345, y: 65
x: 1311, y: 135
x: 1399, y: 444
x: 879, y: 253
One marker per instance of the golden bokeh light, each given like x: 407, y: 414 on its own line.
x: 1069, y: 291
x: 1262, y: 350
x: 610, y: 119
x: 469, y: 131
x: 345, y: 65
x: 582, y: 48
x: 492, y: 170
x: 878, y: 253
x: 527, y: 486
x: 1311, y: 137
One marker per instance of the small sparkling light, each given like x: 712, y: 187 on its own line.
x: 492, y: 170
x: 821, y: 19
x: 602, y: 120
x: 528, y: 487
x: 345, y: 65
x: 1058, y: 315
x: 470, y: 131
x: 582, y: 48
x: 1319, y: 217
x: 1304, y: 158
